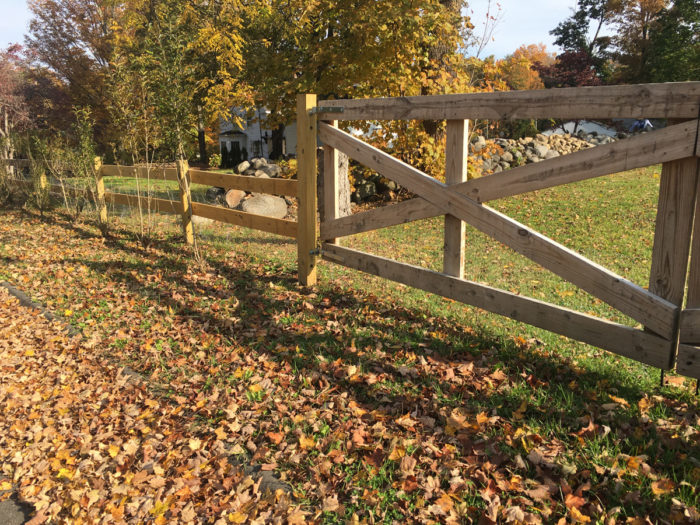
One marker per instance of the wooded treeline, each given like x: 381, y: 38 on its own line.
x: 159, y: 74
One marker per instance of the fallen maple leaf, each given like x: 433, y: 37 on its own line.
x: 662, y: 486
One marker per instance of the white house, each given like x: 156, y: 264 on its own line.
x: 252, y: 138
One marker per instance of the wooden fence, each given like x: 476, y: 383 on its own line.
x: 671, y: 334
x: 185, y: 207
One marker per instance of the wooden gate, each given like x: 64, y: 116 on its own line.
x: 671, y: 337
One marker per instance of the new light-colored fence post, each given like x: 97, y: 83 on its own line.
x: 456, y: 172
x: 101, y: 203
x: 183, y: 179
x: 307, y: 239
x: 331, y: 183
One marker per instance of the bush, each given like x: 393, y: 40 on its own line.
x: 215, y: 160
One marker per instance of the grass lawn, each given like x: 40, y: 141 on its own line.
x: 407, y: 406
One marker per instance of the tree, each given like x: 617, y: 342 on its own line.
x: 518, y: 71
x: 634, y: 21
x: 572, y: 34
x: 71, y: 39
x: 673, y: 53
x: 571, y: 69
x: 14, y: 111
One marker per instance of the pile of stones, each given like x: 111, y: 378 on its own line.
x: 257, y: 203
x: 510, y: 153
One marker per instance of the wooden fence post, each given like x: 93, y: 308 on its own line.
x: 183, y: 179
x: 456, y: 172
x: 674, y: 225
x: 331, y: 183
x: 307, y: 240
x: 101, y: 203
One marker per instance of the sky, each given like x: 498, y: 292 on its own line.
x: 522, y: 22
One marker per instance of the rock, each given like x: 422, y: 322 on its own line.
x: 249, y: 173
x: 386, y: 185
x: 504, y: 165
x: 478, y: 144
x: 541, y: 150
x: 234, y: 197
x: 507, y: 157
x: 551, y: 154
x: 201, y: 221
x: 541, y: 138
x: 243, y: 166
x: 498, y: 169
x: 215, y: 195
x: 273, y: 170
x: 258, y: 163
x: 364, y: 190
x: 267, y: 205
x: 261, y: 174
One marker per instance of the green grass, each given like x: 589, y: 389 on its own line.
x: 161, y: 189
x: 357, y: 320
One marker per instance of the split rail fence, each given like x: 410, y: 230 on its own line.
x: 668, y: 309
x: 671, y: 334
x: 185, y: 207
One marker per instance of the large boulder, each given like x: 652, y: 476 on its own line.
x: 234, y: 197
x: 215, y: 195
x: 258, y: 163
x: 243, y: 166
x: 267, y: 205
x: 261, y: 174
x: 273, y: 170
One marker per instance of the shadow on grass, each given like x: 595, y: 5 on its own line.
x: 325, y: 332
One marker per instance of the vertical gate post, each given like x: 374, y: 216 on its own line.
x: 674, y: 224
x: 183, y: 179
x: 688, y: 362
x: 456, y: 172
x: 99, y: 180
x: 331, y: 183
x: 307, y: 237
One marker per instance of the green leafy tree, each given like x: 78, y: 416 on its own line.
x: 674, y: 44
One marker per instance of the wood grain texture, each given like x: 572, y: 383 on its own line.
x: 690, y: 326
x: 669, y: 100
x: 457, y: 143
x: 331, y: 184
x: 139, y: 172
x: 672, y: 143
x: 688, y: 361
x: 307, y: 167
x: 623, y: 340
x: 629, y: 298
x: 240, y: 182
x: 249, y: 220
x: 674, y: 224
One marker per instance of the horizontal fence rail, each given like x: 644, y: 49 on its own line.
x: 658, y: 308
x: 671, y: 100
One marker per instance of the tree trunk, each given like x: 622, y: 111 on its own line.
x: 202, y: 140
x: 277, y: 142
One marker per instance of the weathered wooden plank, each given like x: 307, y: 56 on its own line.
x: 670, y: 100
x: 457, y: 143
x: 672, y: 143
x: 331, y: 184
x: 240, y: 182
x: 140, y: 172
x: 622, y: 340
x: 674, y: 224
x: 688, y: 361
x: 158, y: 205
x: 248, y: 220
x: 631, y: 299
x: 690, y: 326
x: 307, y: 166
